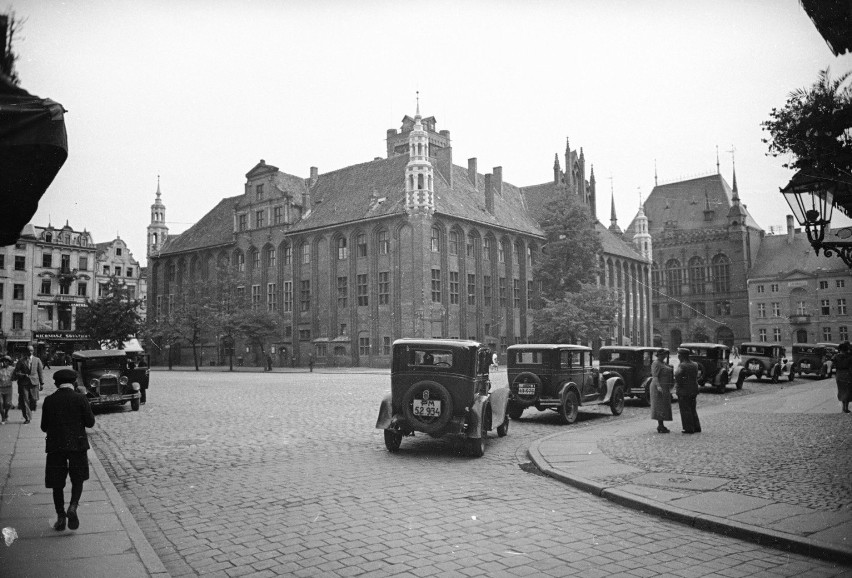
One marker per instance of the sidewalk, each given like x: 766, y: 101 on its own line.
x: 774, y: 468
x: 108, y: 543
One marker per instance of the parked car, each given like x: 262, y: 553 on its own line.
x: 632, y: 365
x: 714, y: 367
x: 765, y: 360
x: 104, y: 377
x: 442, y: 386
x: 560, y: 378
x: 814, y: 359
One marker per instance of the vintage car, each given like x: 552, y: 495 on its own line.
x: 105, y: 379
x: 765, y: 360
x: 714, y: 367
x: 814, y: 359
x: 441, y: 386
x: 632, y: 365
x: 561, y: 378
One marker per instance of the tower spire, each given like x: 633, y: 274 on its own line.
x: 418, y: 104
x: 717, y: 160
x: 655, y: 174
x: 613, y: 220
x: 734, y: 163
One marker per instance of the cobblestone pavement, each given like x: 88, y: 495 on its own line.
x: 283, y: 474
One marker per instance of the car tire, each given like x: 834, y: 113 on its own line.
x: 527, y: 377
x: 515, y: 411
x: 791, y: 375
x: 393, y: 439
x: 740, y: 380
x: 822, y: 373
x: 616, y: 402
x: 427, y: 425
x: 476, y: 446
x: 568, y: 411
x: 776, y: 373
x: 503, y: 430
x: 134, y: 404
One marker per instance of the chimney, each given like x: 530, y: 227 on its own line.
x: 471, y: 171
x: 498, y: 179
x: 314, y: 176
x: 489, y: 194
x: 790, y: 229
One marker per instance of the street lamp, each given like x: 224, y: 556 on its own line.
x: 812, y: 201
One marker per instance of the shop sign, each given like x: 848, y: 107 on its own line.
x: 61, y: 335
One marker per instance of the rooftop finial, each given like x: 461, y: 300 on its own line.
x: 158, y: 186
x: 717, y: 160
x: 655, y: 173
x: 639, y: 190
x: 734, y: 163
x: 418, y: 103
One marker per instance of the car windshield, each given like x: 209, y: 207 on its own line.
x: 610, y: 356
x: 105, y: 363
x: 526, y: 357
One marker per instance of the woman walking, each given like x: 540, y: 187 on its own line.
x: 662, y: 378
x: 843, y: 375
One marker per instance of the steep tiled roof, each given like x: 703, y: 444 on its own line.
x: 684, y: 202
x: 778, y: 256
x: 214, y: 228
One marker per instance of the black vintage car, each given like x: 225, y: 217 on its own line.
x: 765, y: 360
x: 558, y: 377
x: 441, y: 386
x: 713, y: 361
x: 104, y: 377
x: 814, y: 359
x: 632, y: 365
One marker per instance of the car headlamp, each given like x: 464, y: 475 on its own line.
x: 122, y: 380
x: 95, y: 382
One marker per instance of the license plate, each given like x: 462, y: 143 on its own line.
x: 526, y: 390
x: 427, y: 408
x: 806, y: 365
x: 754, y: 366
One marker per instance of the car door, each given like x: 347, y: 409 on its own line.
x: 585, y: 375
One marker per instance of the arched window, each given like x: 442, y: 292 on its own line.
x: 255, y: 259
x: 516, y: 254
x: 454, y: 242
x: 721, y: 273
x: 384, y: 242
x: 271, y: 257
x: 436, y: 240
x: 241, y: 262
x: 342, y: 249
x: 287, y: 254
x: 674, y: 277
x: 420, y: 181
x: 306, y: 253
x: 696, y: 276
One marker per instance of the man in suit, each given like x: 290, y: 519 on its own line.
x: 29, y: 373
x: 65, y: 416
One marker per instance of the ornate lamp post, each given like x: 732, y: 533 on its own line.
x: 812, y: 202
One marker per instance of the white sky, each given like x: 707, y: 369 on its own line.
x: 199, y: 91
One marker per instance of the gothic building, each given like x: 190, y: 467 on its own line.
x: 704, y: 244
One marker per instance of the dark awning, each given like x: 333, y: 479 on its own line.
x: 33, y: 147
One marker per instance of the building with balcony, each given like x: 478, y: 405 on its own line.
x: 796, y: 296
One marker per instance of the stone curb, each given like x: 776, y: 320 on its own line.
x: 146, y: 552
x: 715, y: 524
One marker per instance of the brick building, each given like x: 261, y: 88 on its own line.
x: 796, y: 296
x: 410, y: 245
x: 704, y: 244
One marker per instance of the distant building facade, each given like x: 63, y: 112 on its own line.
x: 704, y: 244
x: 796, y: 296
x: 46, y: 277
x: 114, y: 259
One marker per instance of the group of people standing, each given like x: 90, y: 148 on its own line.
x: 684, y: 379
x: 64, y: 418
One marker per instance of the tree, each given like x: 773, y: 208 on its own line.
x: 112, y: 319
x: 226, y: 307
x: 815, y: 127
x: 163, y: 331
x: 574, y: 308
x: 257, y: 326
x: 699, y: 333
x: 10, y: 27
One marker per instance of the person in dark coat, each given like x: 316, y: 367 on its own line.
x: 843, y: 375
x: 686, y: 387
x: 28, y: 371
x: 65, y: 416
x: 661, y: 391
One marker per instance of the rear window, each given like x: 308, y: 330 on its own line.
x: 755, y: 350
x: 423, y: 357
x: 526, y: 357
x: 609, y: 356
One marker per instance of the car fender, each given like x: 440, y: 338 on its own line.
x: 385, y: 413
x: 568, y: 386
x: 610, y: 386
x: 136, y: 387
x: 499, y: 402
x: 735, y: 372
x: 606, y: 375
x: 474, y: 416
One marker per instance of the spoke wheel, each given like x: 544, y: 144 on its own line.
x: 568, y: 411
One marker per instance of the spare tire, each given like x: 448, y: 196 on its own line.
x: 423, y: 423
x: 527, y: 378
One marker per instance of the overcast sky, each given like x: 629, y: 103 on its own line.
x: 199, y: 91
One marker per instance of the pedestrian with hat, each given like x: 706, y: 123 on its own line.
x: 686, y: 387
x: 30, y: 379
x: 660, y: 391
x: 843, y: 374
x: 65, y: 416
x: 7, y: 376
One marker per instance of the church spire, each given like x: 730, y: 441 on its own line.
x: 419, y: 173
x: 613, y: 220
x: 655, y: 180
x: 556, y: 169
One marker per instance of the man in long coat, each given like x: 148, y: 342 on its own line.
x: 686, y: 387
x: 29, y: 373
x: 65, y: 416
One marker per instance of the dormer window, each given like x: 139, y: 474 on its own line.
x: 48, y: 237
x: 118, y: 251
x: 258, y: 191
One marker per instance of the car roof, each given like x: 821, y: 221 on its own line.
x: 97, y: 353
x: 801, y: 345
x: 760, y: 344
x: 826, y: 344
x: 550, y: 346
x: 437, y: 342
x: 632, y: 348
x: 705, y: 345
